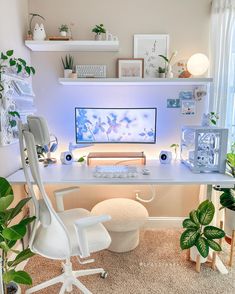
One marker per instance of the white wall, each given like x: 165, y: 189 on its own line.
x: 13, y: 26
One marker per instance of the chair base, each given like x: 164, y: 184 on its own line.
x: 68, y: 279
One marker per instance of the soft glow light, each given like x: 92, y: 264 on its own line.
x: 198, y: 64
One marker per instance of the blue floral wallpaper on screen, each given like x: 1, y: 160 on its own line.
x: 115, y: 125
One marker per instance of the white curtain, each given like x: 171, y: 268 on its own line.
x: 223, y: 62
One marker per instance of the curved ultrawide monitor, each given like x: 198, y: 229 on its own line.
x: 115, y: 125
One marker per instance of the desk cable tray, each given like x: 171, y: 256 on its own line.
x: 115, y: 171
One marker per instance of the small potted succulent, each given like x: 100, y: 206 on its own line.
x: 199, y: 236
x: 63, y: 30
x: 99, y: 30
x: 161, y: 72
x: 10, y: 276
x: 68, y: 64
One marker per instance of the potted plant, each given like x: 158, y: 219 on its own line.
x: 68, y: 63
x: 7, y: 60
x: 169, y: 73
x: 161, y: 72
x: 99, y: 30
x: 199, y: 236
x: 63, y: 30
x: 9, y: 234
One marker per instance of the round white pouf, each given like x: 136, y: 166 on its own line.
x: 127, y: 217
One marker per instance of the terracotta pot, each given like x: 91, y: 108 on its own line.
x: 193, y: 255
x: 229, y: 222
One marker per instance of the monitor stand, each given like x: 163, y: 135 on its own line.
x: 118, y: 157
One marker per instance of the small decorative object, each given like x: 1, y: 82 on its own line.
x: 130, y: 68
x: 68, y: 64
x: 108, y: 36
x: 63, y: 29
x: 198, y: 64
x: 169, y: 73
x: 150, y: 47
x: 188, y: 107
x: 203, y: 149
x: 179, y: 69
x: 165, y: 157
x: 175, y: 146
x: 209, y: 119
x: 10, y: 234
x: 161, y: 72
x: 30, y: 31
x: 99, y: 30
x: 186, y: 95
x: 39, y: 33
x: 173, y: 103
x: 66, y: 157
x: 199, y: 93
x: 199, y: 236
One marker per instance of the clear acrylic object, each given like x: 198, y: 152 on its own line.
x: 203, y: 149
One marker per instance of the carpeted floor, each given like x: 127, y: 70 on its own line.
x: 157, y: 265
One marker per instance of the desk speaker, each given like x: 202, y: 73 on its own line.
x: 165, y: 157
x: 66, y: 157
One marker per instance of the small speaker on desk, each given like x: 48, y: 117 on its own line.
x: 66, y: 157
x: 165, y: 157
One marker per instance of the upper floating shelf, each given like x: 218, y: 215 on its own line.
x: 79, y: 45
x: 144, y: 82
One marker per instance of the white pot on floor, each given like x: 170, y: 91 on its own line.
x: 229, y: 222
x: 13, y: 285
x: 194, y: 253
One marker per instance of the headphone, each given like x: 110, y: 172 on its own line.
x: 53, y: 144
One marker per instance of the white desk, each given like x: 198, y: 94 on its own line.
x: 160, y: 174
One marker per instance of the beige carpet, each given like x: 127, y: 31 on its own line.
x: 157, y: 265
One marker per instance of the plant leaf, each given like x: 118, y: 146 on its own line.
x: 3, y: 56
x: 16, y: 210
x: 16, y: 232
x: 194, y: 217
x: 12, y: 62
x: 202, y: 246
x: 5, y: 202
x: 189, y: 238
x: 21, y: 277
x: 19, y: 68
x: 27, y: 221
x: 164, y: 57
x: 33, y: 70
x: 22, y: 256
x: 214, y: 245
x: 231, y: 158
x: 203, y: 204
x: 188, y: 224
x: 10, y: 52
x: 5, y: 188
x: 212, y: 232
x: 206, y: 213
x: 8, y: 276
x: 22, y: 61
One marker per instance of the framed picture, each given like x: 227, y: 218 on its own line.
x: 130, y: 68
x: 150, y: 47
x: 188, y: 107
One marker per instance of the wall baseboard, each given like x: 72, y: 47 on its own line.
x: 164, y: 222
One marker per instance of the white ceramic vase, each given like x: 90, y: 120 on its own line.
x: 169, y: 73
x: 63, y: 34
x: 98, y: 37
x: 161, y: 75
x: 229, y: 222
x: 67, y: 73
x: 194, y: 253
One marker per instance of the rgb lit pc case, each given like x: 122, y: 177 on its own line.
x: 203, y: 149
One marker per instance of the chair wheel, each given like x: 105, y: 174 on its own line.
x: 104, y: 275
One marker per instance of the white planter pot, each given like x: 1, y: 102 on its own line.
x: 98, y: 37
x: 67, y: 73
x: 194, y: 253
x: 63, y: 34
x: 229, y: 222
x: 17, y: 286
x: 161, y: 75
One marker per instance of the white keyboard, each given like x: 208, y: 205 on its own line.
x: 115, y: 171
x: 91, y: 71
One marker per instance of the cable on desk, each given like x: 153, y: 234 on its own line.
x: 153, y: 191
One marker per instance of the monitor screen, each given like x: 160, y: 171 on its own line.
x: 115, y: 125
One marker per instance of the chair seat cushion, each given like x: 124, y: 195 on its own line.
x: 97, y: 236
x: 127, y: 214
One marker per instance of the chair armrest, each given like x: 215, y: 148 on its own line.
x: 59, y: 194
x: 81, y: 225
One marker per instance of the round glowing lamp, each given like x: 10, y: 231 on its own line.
x: 198, y: 64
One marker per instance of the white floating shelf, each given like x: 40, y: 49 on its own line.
x: 73, y: 45
x: 144, y: 82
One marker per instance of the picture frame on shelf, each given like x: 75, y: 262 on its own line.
x: 130, y: 68
x: 149, y: 47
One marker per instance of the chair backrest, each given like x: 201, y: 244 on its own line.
x: 49, y: 236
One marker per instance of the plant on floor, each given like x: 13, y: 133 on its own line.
x: 198, y: 231
x: 10, y: 234
x: 99, y: 29
x: 68, y: 62
x: 7, y: 60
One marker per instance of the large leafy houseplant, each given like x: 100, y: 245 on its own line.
x: 9, y: 235
x: 7, y: 60
x: 198, y: 231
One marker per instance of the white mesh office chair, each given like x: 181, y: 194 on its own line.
x: 58, y: 235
